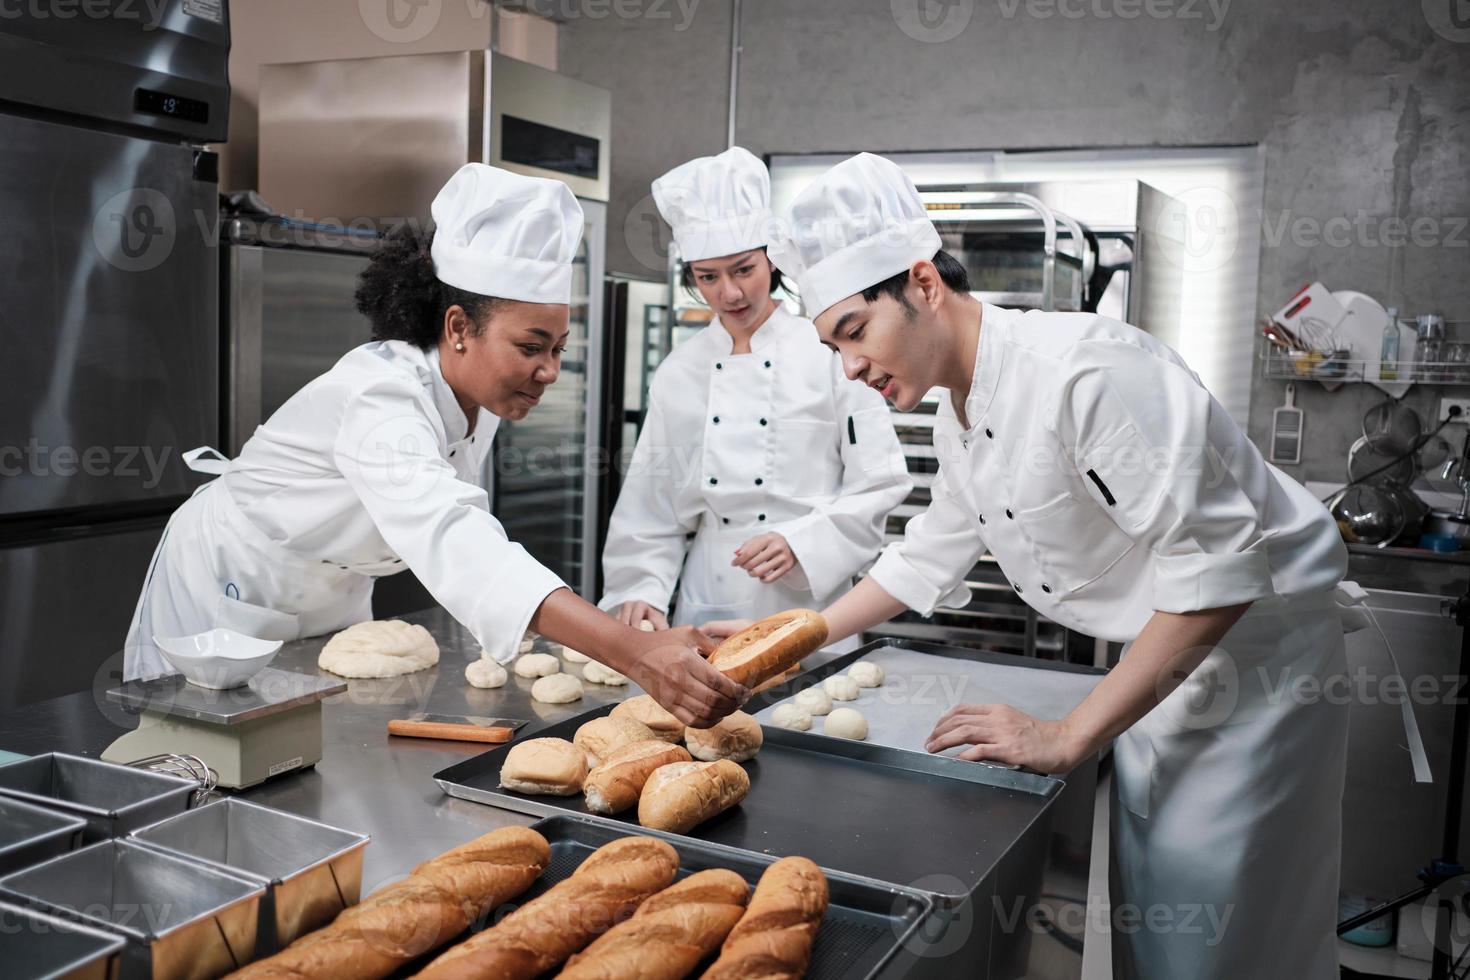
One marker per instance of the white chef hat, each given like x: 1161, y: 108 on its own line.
x: 719, y: 205
x: 506, y: 235
x: 856, y: 225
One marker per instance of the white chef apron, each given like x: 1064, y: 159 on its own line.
x: 213, y: 568
x: 1227, y: 808
x: 711, y: 588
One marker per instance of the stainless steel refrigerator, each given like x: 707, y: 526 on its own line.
x: 108, y: 316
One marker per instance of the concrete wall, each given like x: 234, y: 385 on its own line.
x: 1362, y: 107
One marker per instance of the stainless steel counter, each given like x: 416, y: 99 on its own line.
x: 367, y: 781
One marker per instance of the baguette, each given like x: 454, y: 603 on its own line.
x: 681, y: 796
x: 419, y: 913
x: 615, y: 785
x: 773, y: 939
x: 541, y: 934
x: 770, y: 647
x: 601, y: 736
x: 669, y: 934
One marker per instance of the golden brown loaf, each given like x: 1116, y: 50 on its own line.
x: 669, y: 934
x: 422, y: 912
x: 615, y: 785
x: 770, y: 647
x: 600, y: 736
x: 540, y: 935
x: 736, y: 737
x: 547, y: 766
x: 773, y: 939
x: 681, y: 796
x: 645, y: 709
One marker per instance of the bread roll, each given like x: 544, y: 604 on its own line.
x: 792, y: 716
x: 645, y: 709
x: 601, y: 736
x: 669, y: 934
x: 545, y: 767
x: 773, y: 939
x: 556, y: 689
x: 416, y: 914
x: 681, y: 796
x: 540, y: 935
x: 736, y: 737
x: 770, y: 647
x: 846, y: 723
x: 615, y: 785
x: 533, y: 665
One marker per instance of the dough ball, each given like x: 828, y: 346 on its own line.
x: 840, y: 687
x: 646, y: 626
x: 814, y: 700
x: 866, y: 673
x: 379, y: 648
x: 557, y: 689
x: 599, y: 674
x: 527, y: 645
x: 792, y: 716
x: 486, y: 674
x: 846, y: 723
x: 573, y: 657
x: 537, y: 665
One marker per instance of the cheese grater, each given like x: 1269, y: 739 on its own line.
x: 1286, y: 429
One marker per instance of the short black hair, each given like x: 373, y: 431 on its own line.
x: 686, y: 277
x: 404, y: 300
x: 951, y: 273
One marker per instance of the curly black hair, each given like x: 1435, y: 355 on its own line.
x: 402, y: 297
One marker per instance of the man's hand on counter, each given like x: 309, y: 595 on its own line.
x: 1001, y: 733
x: 670, y: 666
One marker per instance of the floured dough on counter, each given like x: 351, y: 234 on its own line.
x: 601, y: 674
x: 537, y: 665
x: 573, y: 656
x: 379, y: 648
x: 484, y: 673
x: 557, y: 689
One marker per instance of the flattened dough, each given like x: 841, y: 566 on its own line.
x: 557, y: 689
x: 537, y: 665
x: 486, y: 674
x: 379, y: 648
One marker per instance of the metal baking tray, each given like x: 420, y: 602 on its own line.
x: 310, y: 871
x: 112, y: 799
x: 32, y: 834
x: 36, y: 946
x: 868, y: 923
x: 181, y: 920
x: 874, y: 812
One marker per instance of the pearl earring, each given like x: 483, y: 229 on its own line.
x: 459, y: 347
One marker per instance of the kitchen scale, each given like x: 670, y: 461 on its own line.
x: 269, y: 726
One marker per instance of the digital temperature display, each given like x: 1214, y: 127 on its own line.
x: 176, y: 106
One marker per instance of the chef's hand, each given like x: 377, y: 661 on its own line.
x: 723, y: 628
x: 633, y: 613
x: 766, y: 557
x: 1000, y: 733
x: 669, y: 666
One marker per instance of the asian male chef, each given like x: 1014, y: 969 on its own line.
x: 782, y: 469
x: 1122, y: 501
x: 374, y: 466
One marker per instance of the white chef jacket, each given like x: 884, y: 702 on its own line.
x: 1107, y: 483
x: 775, y: 440
x: 371, y: 467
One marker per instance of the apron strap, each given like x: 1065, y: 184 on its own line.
x: 196, y: 461
x: 1352, y: 601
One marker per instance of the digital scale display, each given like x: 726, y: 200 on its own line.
x: 175, y: 106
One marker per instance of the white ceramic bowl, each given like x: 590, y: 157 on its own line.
x: 218, y: 659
